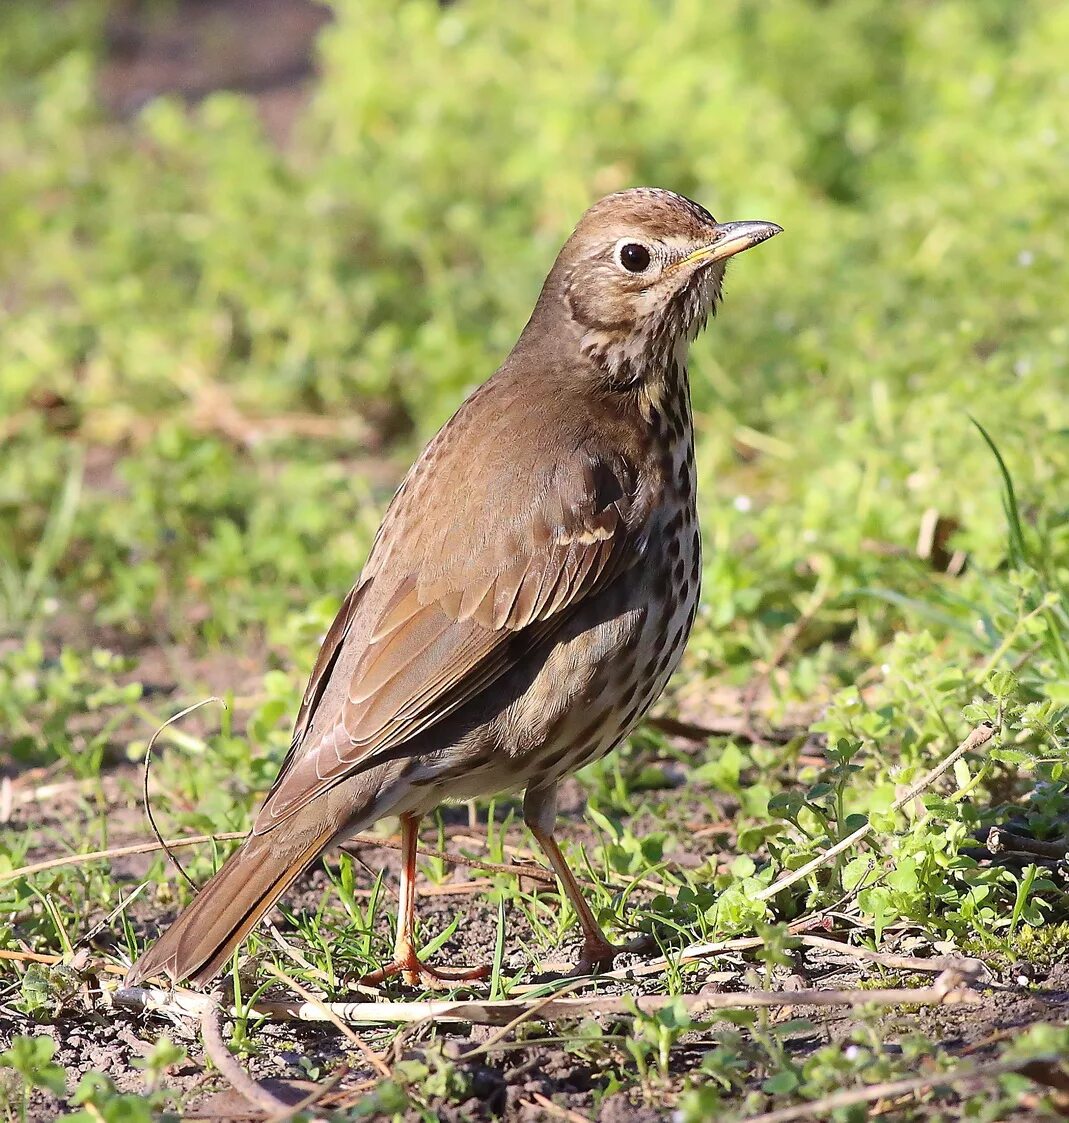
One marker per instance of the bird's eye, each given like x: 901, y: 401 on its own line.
x: 634, y: 257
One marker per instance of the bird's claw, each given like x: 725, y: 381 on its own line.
x: 415, y: 972
x: 599, y: 955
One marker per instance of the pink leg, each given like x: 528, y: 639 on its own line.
x: 405, y: 960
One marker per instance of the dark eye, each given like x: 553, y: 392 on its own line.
x: 634, y: 257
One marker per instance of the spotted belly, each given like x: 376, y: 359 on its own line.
x: 578, y: 698
x: 630, y: 689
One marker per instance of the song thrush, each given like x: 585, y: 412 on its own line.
x: 528, y: 594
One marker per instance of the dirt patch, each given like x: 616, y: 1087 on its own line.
x: 191, y: 48
x: 515, y: 1084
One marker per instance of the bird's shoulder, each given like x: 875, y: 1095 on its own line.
x: 518, y: 467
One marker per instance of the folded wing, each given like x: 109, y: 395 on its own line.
x: 468, y: 600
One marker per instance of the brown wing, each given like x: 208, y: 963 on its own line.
x: 455, y: 623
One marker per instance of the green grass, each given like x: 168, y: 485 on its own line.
x: 901, y: 348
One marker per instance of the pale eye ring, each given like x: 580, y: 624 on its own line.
x: 634, y: 256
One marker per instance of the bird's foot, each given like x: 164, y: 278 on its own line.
x: 417, y: 973
x: 599, y: 954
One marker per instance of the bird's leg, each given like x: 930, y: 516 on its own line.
x: 405, y: 960
x: 540, y: 815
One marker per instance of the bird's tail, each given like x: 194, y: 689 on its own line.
x: 199, y: 942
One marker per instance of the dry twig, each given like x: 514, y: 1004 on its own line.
x: 983, y: 733
x: 696, y: 952
x: 239, y: 1079
x: 1000, y: 841
x: 368, y: 1053
x: 145, y: 775
x: 548, y: 1106
x: 948, y: 989
x: 969, y: 1075
x: 726, y: 726
x: 535, y: 873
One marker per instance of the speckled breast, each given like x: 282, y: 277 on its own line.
x: 636, y: 650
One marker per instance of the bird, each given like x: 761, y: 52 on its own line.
x: 528, y: 594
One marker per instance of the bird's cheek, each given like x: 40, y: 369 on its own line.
x: 648, y: 301
x: 601, y: 306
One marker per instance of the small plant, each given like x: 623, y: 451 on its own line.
x: 31, y: 1059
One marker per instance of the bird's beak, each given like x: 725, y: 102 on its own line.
x: 732, y: 238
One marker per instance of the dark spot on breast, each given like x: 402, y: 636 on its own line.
x: 668, y: 606
x: 551, y: 760
x: 590, y: 729
x: 628, y: 695
x: 552, y: 730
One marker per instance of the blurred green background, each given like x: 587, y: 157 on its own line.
x: 223, y: 340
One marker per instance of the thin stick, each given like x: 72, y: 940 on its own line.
x: 51, y: 960
x: 948, y: 989
x: 967, y: 966
x: 117, y: 852
x: 1000, y: 841
x: 821, y: 1109
x: 313, y: 1097
x: 979, y: 736
x: 500, y: 1034
x: 144, y: 781
x: 547, y: 1105
x: 29, y: 957
x: 786, y: 641
x: 722, y: 727
x: 697, y: 952
x: 239, y: 1079
x: 535, y: 873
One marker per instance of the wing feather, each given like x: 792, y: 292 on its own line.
x: 452, y: 628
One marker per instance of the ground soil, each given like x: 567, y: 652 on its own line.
x: 511, y: 1084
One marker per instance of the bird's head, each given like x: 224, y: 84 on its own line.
x: 642, y: 272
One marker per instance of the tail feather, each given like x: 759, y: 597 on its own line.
x: 199, y: 942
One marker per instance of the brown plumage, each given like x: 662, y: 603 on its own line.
x: 530, y: 590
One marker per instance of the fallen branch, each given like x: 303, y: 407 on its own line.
x: 948, y: 989
x: 223, y: 1060
x: 116, y: 852
x: 366, y: 1051
x: 145, y: 795
x: 534, y: 873
x: 316, y: 1095
x: 550, y: 1108
x: 53, y: 960
x: 970, y: 1075
x: 983, y: 733
x: 1001, y: 841
x: 726, y: 726
x: 971, y: 968
x: 788, y: 638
